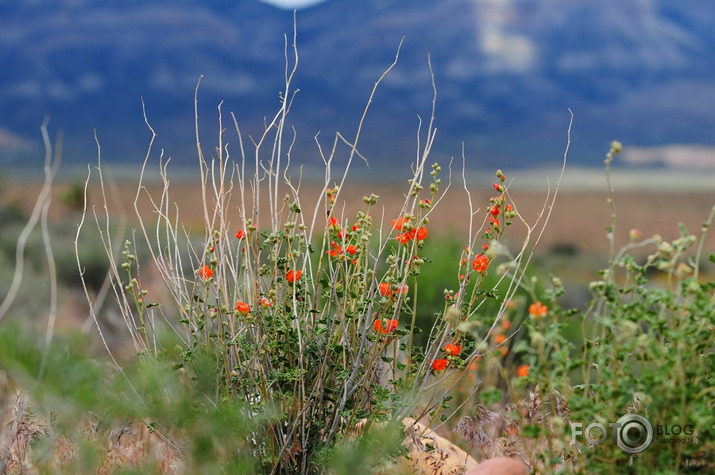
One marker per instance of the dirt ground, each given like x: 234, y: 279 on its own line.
x: 577, y: 222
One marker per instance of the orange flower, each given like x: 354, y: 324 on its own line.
x: 240, y: 234
x: 500, y: 339
x: 206, y: 272
x: 452, y: 350
x: 352, y: 250
x: 404, y: 238
x: 398, y: 223
x: 242, y: 307
x: 335, y: 250
x: 439, y: 364
x: 522, y: 371
x: 265, y: 302
x: 494, y: 211
x: 474, y: 365
x: 480, y: 263
x: 421, y: 234
x: 384, y: 289
x: 538, y: 310
x: 293, y: 276
x: 505, y: 324
x: 332, y: 222
x: 390, y: 326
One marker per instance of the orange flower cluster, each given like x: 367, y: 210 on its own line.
x: 389, y: 327
x: 205, y: 272
x: 337, y: 250
x: 440, y: 364
x: 419, y: 234
x: 399, y: 223
x: 385, y: 289
x: 538, y: 310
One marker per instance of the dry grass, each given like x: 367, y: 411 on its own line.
x: 131, y: 446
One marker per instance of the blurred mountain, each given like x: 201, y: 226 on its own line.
x: 506, y: 73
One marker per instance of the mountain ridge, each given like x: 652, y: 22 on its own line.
x: 506, y: 73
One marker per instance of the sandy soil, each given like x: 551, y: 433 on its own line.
x: 578, y: 219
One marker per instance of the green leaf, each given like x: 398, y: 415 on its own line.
x: 531, y: 431
x: 521, y: 347
x: 491, y: 396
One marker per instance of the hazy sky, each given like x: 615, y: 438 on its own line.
x: 290, y: 4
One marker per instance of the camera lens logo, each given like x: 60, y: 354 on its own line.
x: 634, y: 433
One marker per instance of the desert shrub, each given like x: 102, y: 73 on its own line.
x: 292, y: 308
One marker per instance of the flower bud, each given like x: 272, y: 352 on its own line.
x: 470, y: 327
x: 683, y: 270
x: 597, y: 287
x: 684, y: 242
x: 665, y: 249
x: 627, y: 329
x: 537, y: 338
